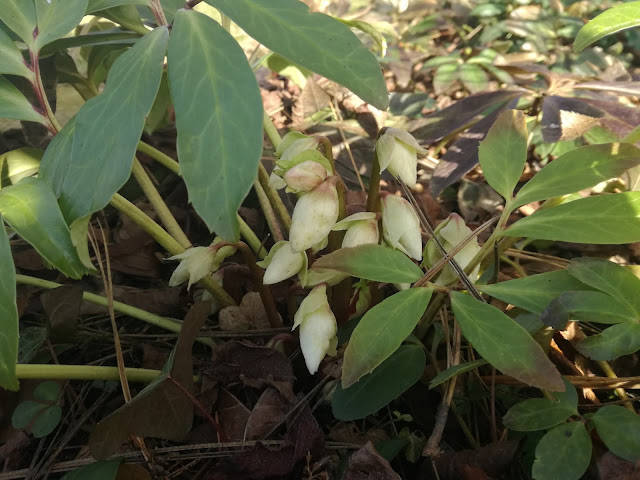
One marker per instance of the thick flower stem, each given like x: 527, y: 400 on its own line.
x: 274, y: 198
x: 163, y: 322
x: 82, y: 372
x: 269, y: 214
x: 271, y: 130
x: 373, y: 195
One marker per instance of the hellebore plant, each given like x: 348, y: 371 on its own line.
x: 397, y: 152
x: 199, y: 262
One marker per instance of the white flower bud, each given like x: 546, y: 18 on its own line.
x: 362, y: 229
x: 282, y: 263
x: 314, y: 215
x: 397, y: 151
x: 451, y: 233
x: 318, y: 328
x: 401, y: 226
x: 198, y: 262
x: 305, y: 176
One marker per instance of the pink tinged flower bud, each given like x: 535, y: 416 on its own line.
x: 362, y: 229
x: 397, y: 151
x: 282, y: 263
x: 451, y: 233
x: 318, y: 328
x: 305, y: 176
x: 314, y: 215
x: 401, y: 226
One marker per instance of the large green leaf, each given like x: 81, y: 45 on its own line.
x: 578, y: 169
x: 372, y: 262
x: 30, y: 208
x: 610, y: 278
x: 564, y: 452
x: 218, y: 116
x: 56, y: 18
x: 96, y: 5
x: 91, y: 163
x: 604, y: 219
x: 617, y: 18
x: 8, y: 315
x: 613, y: 342
x: 533, y: 293
x: 375, y: 390
x: 504, y: 344
x: 19, y: 16
x: 18, y: 164
x: 619, y: 429
x: 542, y: 413
x: 312, y: 40
x: 381, y: 331
x: 503, y: 152
x: 15, y: 106
x: 11, y: 60
x: 585, y: 306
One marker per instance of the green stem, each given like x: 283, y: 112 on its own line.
x: 269, y: 214
x: 54, y: 126
x: 158, y: 156
x: 83, y: 372
x: 252, y: 240
x: 168, y: 243
x: 487, y: 247
x: 167, y: 219
x: 373, y: 196
x: 150, y: 318
x: 271, y: 130
x: 158, y: 12
x: 274, y: 198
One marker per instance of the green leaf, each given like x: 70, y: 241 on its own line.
x: 19, y: 16
x: 18, y: 164
x: 533, y: 293
x: 504, y: 344
x: 473, y: 77
x: 372, y: 262
x: 604, y: 219
x: 444, y: 76
x: 56, y: 18
x: 14, y: 105
x: 613, y: 342
x: 610, y: 278
x: 619, y: 429
x: 95, y: 38
x: 8, y: 315
x: 96, y: 5
x: 11, y: 60
x: 503, y: 152
x: 30, y: 208
x: 47, y: 391
x: 46, y: 421
x: 311, y: 40
x: 455, y: 371
x: 375, y: 390
x: 105, y: 470
x: 381, y: 331
x: 578, y: 169
x: 587, y: 307
x: 541, y: 413
x: 564, y: 452
x: 87, y: 166
x: 438, y: 61
x: 613, y: 20
x: 218, y: 117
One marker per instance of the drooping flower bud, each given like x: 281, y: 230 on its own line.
x: 318, y: 328
x: 305, y: 176
x: 198, y: 262
x: 283, y: 263
x: 362, y: 229
x: 302, y: 142
x: 451, y: 233
x: 397, y: 151
x: 316, y: 276
x: 401, y: 226
x: 294, y: 150
x: 314, y: 215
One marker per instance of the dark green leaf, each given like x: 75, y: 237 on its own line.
x: 19, y: 16
x: 610, y: 278
x: 30, y: 208
x: 46, y: 421
x: 25, y: 413
x: 96, y: 5
x: 444, y: 76
x: 95, y: 38
x: 613, y: 20
x: 312, y: 40
x: 564, y: 452
x: 613, y: 342
x: 14, y: 105
x: 47, y: 391
x: 106, y: 470
x: 587, y: 307
x: 381, y: 331
x: 56, y: 18
x: 533, y: 293
x: 619, y: 429
x: 578, y: 169
x: 602, y: 219
x: 11, y: 60
x: 372, y: 262
x: 375, y: 390
x: 455, y: 371
x: 106, y: 131
x: 31, y: 339
x: 503, y: 152
x: 473, y: 77
x: 18, y: 164
x: 218, y: 117
x: 504, y: 343
x: 8, y: 315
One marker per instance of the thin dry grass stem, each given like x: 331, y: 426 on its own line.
x: 336, y: 113
x: 537, y: 257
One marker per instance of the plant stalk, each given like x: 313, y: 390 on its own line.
x: 83, y: 372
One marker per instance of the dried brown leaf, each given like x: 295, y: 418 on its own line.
x: 367, y: 464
